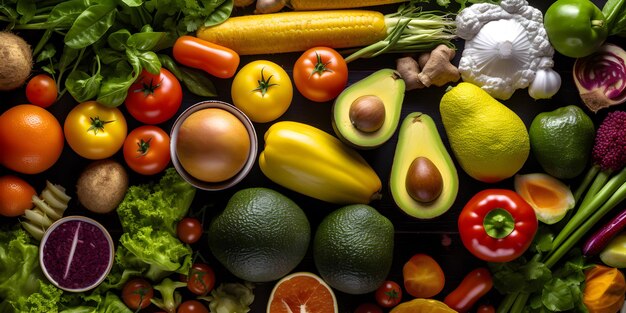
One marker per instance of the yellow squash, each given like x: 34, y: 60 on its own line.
x: 312, y: 162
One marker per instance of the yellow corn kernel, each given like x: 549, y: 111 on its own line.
x: 309, y: 5
x: 297, y: 31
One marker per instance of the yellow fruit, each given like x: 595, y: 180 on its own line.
x: 213, y: 145
x: 489, y: 140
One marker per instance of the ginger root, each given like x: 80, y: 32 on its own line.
x: 436, y: 68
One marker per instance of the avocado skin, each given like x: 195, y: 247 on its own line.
x: 561, y: 141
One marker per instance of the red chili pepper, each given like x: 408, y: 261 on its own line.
x: 475, y: 285
x: 497, y: 225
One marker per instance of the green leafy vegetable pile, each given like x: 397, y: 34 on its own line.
x: 117, y: 34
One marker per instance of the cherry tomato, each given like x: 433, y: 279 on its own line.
x: 262, y: 90
x: 95, y: 131
x: 389, y: 294
x: 201, y: 279
x: 214, y: 59
x: 41, y: 90
x: 147, y: 150
x: 486, y: 308
x: 137, y: 293
x: 423, y: 277
x: 320, y: 74
x: 192, y: 306
x: 154, y: 99
x: 368, y: 308
x: 189, y: 230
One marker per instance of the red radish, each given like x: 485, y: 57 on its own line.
x: 603, y: 236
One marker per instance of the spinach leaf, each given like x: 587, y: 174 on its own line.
x: 65, y: 13
x: 110, y: 56
x: 220, y: 14
x: 83, y: 87
x: 90, y: 25
x: 47, y: 53
x: 612, y: 10
x: 132, y: 3
x: 168, y: 63
x: 114, y: 87
x: 27, y: 8
x: 67, y: 57
x: 117, y: 40
x: 149, y: 61
x: 198, y: 83
x: 147, y: 40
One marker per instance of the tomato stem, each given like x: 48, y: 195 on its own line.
x: 149, y: 88
x: 143, y: 147
x: 97, y: 124
x: 320, y: 67
x: 264, y: 84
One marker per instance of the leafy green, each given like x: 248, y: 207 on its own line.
x: 90, y: 25
x: 22, y: 285
x: 170, y: 298
x: 160, y: 250
x: 159, y: 206
x: 149, y: 214
x: 230, y: 298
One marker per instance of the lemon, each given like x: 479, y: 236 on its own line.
x: 489, y: 140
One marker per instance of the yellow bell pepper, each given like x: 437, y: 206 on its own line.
x: 312, y: 162
x: 604, y: 289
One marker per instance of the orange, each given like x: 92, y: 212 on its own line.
x: 15, y: 196
x: 422, y: 306
x: 302, y: 292
x: 31, y: 139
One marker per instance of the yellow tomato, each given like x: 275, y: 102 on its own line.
x: 262, y: 90
x: 94, y: 131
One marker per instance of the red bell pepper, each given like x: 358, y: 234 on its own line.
x: 497, y: 225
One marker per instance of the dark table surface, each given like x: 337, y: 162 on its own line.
x: 437, y: 237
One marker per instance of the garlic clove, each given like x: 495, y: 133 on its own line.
x: 546, y: 84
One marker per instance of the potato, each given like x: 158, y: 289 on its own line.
x: 16, y: 61
x: 102, y: 186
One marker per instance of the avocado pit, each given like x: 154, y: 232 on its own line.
x: 367, y: 113
x: 424, y: 182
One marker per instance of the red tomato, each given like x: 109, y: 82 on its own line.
x: 189, y: 230
x: 154, y: 99
x: 423, y: 277
x: 147, y: 150
x: 368, y: 308
x: 192, y: 306
x: 320, y: 74
x: 201, y: 279
x: 214, y: 59
x: 41, y: 90
x: 137, y: 293
x: 389, y: 294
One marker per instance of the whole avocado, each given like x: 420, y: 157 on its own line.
x: 353, y: 249
x: 561, y: 141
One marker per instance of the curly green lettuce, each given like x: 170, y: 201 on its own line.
x: 159, y: 206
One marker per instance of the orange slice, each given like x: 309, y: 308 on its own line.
x: 302, y: 292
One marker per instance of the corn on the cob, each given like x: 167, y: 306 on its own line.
x: 310, y: 5
x: 297, y: 31
x: 408, y: 30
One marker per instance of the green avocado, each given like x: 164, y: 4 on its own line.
x: 561, y: 141
x: 374, y: 103
x: 419, y: 140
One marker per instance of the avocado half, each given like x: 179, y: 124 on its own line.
x: 385, y: 84
x: 419, y: 137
